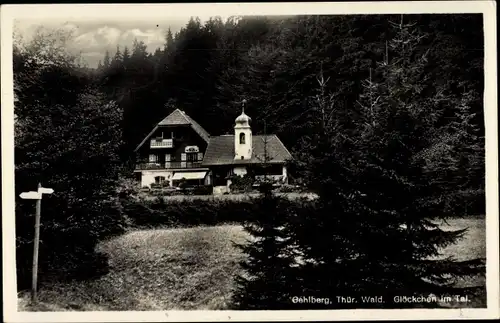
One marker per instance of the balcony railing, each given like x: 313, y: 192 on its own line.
x: 162, y: 143
x: 168, y: 165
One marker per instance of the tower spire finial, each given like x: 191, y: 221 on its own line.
x: 243, y: 105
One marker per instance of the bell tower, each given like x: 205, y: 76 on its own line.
x: 242, y: 135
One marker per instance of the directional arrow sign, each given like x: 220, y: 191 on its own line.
x: 31, y: 195
x: 44, y: 190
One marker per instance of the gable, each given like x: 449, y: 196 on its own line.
x: 177, y: 118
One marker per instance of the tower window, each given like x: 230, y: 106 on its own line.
x: 242, y: 138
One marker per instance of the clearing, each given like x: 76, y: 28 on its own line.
x: 188, y: 269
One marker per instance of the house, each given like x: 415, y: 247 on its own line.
x: 179, y: 150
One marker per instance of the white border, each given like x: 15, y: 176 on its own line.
x: 151, y: 11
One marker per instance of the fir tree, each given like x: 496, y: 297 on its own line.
x: 398, y: 232
x: 375, y: 228
x: 139, y: 50
x: 126, y: 55
x: 107, y: 60
x: 169, y: 42
x: 118, y: 58
x: 269, y: 271
x: 327, y: 254
x: 469, y: 145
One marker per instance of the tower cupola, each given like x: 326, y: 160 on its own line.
x: 242, y: 135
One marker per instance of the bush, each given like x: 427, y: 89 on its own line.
x: 186, y: 213
x: 203, y: 190
x: 288, y: 189
x: 241, y: 184
x: 127, y: 187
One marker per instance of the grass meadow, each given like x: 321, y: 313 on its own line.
x: 192, y: 269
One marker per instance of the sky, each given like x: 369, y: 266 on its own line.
x: 93, y: 37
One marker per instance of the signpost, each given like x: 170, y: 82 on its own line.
x: 36, y: 195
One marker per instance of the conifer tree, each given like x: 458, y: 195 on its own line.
x: 169, y: 42
x: 375, y: 228
x: 107, y: 60
x: 467, y: 161
x: 325, y: 234
x: 139, y: 50
x: 397, y: 233
x: 269, y: 268
x: 118, y: 58
x: 126, y: 55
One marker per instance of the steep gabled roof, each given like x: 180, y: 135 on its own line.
x: 220, y: 151
x: 178, y: 118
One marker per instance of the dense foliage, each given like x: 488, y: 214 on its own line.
x: 159, y: 212
x: 67, y: 137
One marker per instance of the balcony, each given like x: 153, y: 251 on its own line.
x: 162, y: 143
x: 168, y: 165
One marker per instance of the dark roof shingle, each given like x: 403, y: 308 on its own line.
x: 220, y: 151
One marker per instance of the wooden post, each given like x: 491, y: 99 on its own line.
x: 36, y: 195
x: 36, y: 242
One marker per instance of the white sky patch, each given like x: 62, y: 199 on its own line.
x: 92, y: 35
x: 151, y: 37
x: 110, y: 34
x: 70, y: 27
x: 86, y: 41
x: 93, y: 54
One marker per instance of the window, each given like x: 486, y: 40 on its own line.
x: 242, y: 138
x: 192, y: 157
x: 153, y: 158
x: 159, y: 179
x: 168, y: 157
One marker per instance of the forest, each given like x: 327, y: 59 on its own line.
x: 274, y: 63
x: 383, y: 115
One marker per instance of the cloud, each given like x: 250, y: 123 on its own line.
x: 92, y: 54
x: 152, y: 37
x: 92, y: 38
x: 70, y: 27
x: 109, y: 34
x: 86, y: 41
